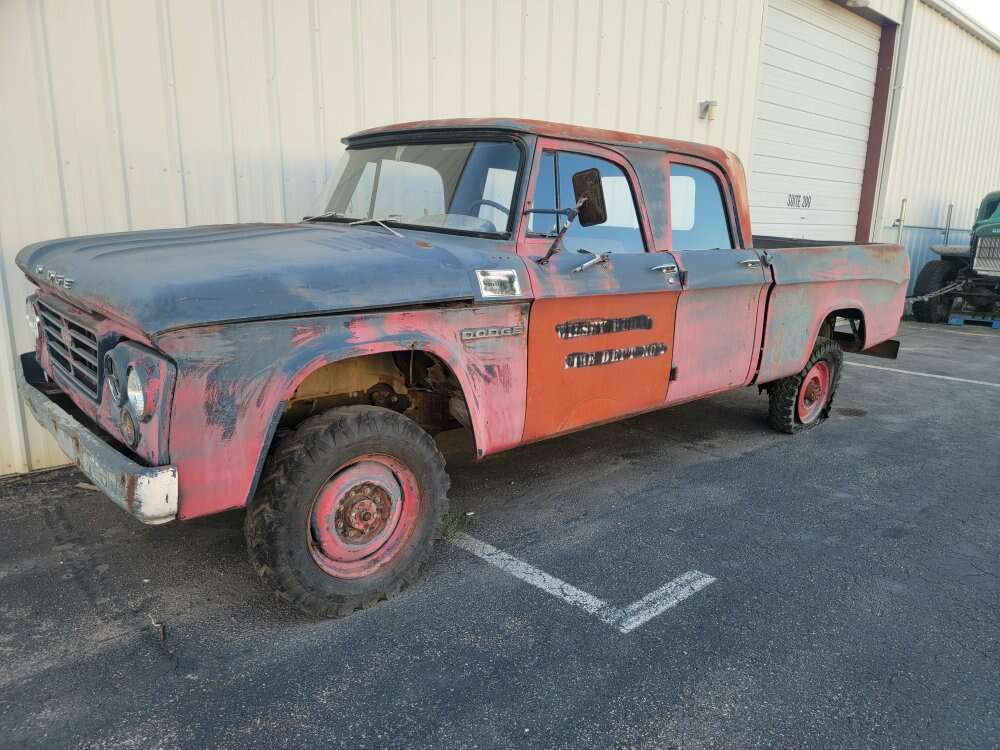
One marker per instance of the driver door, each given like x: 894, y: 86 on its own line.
x: 600, y: 336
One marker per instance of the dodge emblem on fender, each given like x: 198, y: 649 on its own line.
x: 491, y: 332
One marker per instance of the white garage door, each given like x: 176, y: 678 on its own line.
x: 814, y: 105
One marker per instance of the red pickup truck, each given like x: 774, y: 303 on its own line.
x: 520, y: 279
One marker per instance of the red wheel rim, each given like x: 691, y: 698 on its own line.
x: 813, y: 393
x: 362, y: 516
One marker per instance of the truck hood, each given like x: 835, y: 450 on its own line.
x: 174, y: 278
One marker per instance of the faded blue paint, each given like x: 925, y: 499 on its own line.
x: 174, y: 278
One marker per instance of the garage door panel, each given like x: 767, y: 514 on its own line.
x: 805, y: 169
x: 802, y: 230
x: 780, y: 149
x: 814, y: 104
x: 831, y: 109
x: 796, y: 216
x: 831, y: 17
x: 858, y: 66
x: 780, y: 185
x: 823, y: 37
x: 830, y: 145
x: 787, y: 60
x: 791, y: 82
x: 799, y: 118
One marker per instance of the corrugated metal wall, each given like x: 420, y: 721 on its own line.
x: 946, y: 137
x: 131, y: 114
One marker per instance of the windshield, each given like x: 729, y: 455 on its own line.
x: 456, y: 186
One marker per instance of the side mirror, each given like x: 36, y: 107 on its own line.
x: 589, y: 193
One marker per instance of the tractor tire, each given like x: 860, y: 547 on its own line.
x: 347, y: 511
x: 935, y: 275
x: 801, y: 401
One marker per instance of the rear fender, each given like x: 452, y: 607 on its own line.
x: 234, y: 382
x: 813, y: 283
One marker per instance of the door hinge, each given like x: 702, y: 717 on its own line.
x: 673, y: 373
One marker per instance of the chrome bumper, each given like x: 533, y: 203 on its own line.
x: 149, y: 494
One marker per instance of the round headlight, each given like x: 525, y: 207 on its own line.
x: 112, y: 377
x: 136, y: 396
x: 32, y: 315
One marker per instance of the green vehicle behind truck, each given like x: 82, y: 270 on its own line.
x: 964, y: 280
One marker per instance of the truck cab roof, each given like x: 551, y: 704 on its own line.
x: 545, y: 129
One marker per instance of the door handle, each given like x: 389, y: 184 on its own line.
x: 750, y: 263
x: 668, y: 270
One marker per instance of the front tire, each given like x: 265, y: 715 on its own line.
x: 801, y: 401
x: 935, y: 275
x: 347, y: 511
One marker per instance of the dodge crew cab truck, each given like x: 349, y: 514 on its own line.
x: 517, y: 278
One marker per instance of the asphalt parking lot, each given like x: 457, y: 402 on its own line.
x: 855, y: 600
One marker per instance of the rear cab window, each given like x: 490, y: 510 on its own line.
x: 698, y: 216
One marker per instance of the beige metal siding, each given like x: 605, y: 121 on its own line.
x: 945, y: 138
x: 130, y: 114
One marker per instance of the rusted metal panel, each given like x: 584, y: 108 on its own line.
x: 719, y: 321
x: 233, y: 382
x: 246, y: 271
x: 813, y: 282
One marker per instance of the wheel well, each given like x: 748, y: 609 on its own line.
x: 846, y: 327
x: 415, y: 383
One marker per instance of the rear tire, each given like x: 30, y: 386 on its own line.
x: 347, y: 511
x: 935, y: 275
x: 801, y: 401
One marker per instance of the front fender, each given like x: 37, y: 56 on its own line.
x: 235, y: 380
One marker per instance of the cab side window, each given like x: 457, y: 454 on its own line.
x: 554, y: 189
x: 698, y: 218
x: 620, y: 233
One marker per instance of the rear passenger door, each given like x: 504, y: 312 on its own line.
x: 600, y: 336
x: 720, y: 311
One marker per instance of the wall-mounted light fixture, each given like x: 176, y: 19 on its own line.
x: 707, y: 109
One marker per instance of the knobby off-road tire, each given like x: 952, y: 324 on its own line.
x: 935, y: 275
x: 803, y: 400
x: 348, y: 509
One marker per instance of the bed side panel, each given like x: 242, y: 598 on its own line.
x: 812, y: 282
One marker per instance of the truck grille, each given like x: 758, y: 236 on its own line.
x: 987, y: 258
x: 72, y: 349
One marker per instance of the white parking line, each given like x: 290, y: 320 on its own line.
x: 626, y: 620
x: 925, y: 374
x: 663, y: 599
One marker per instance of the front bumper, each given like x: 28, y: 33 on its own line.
x: 147, y: 493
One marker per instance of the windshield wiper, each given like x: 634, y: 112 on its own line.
x: 373, y: 220
x: 329, y: 215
